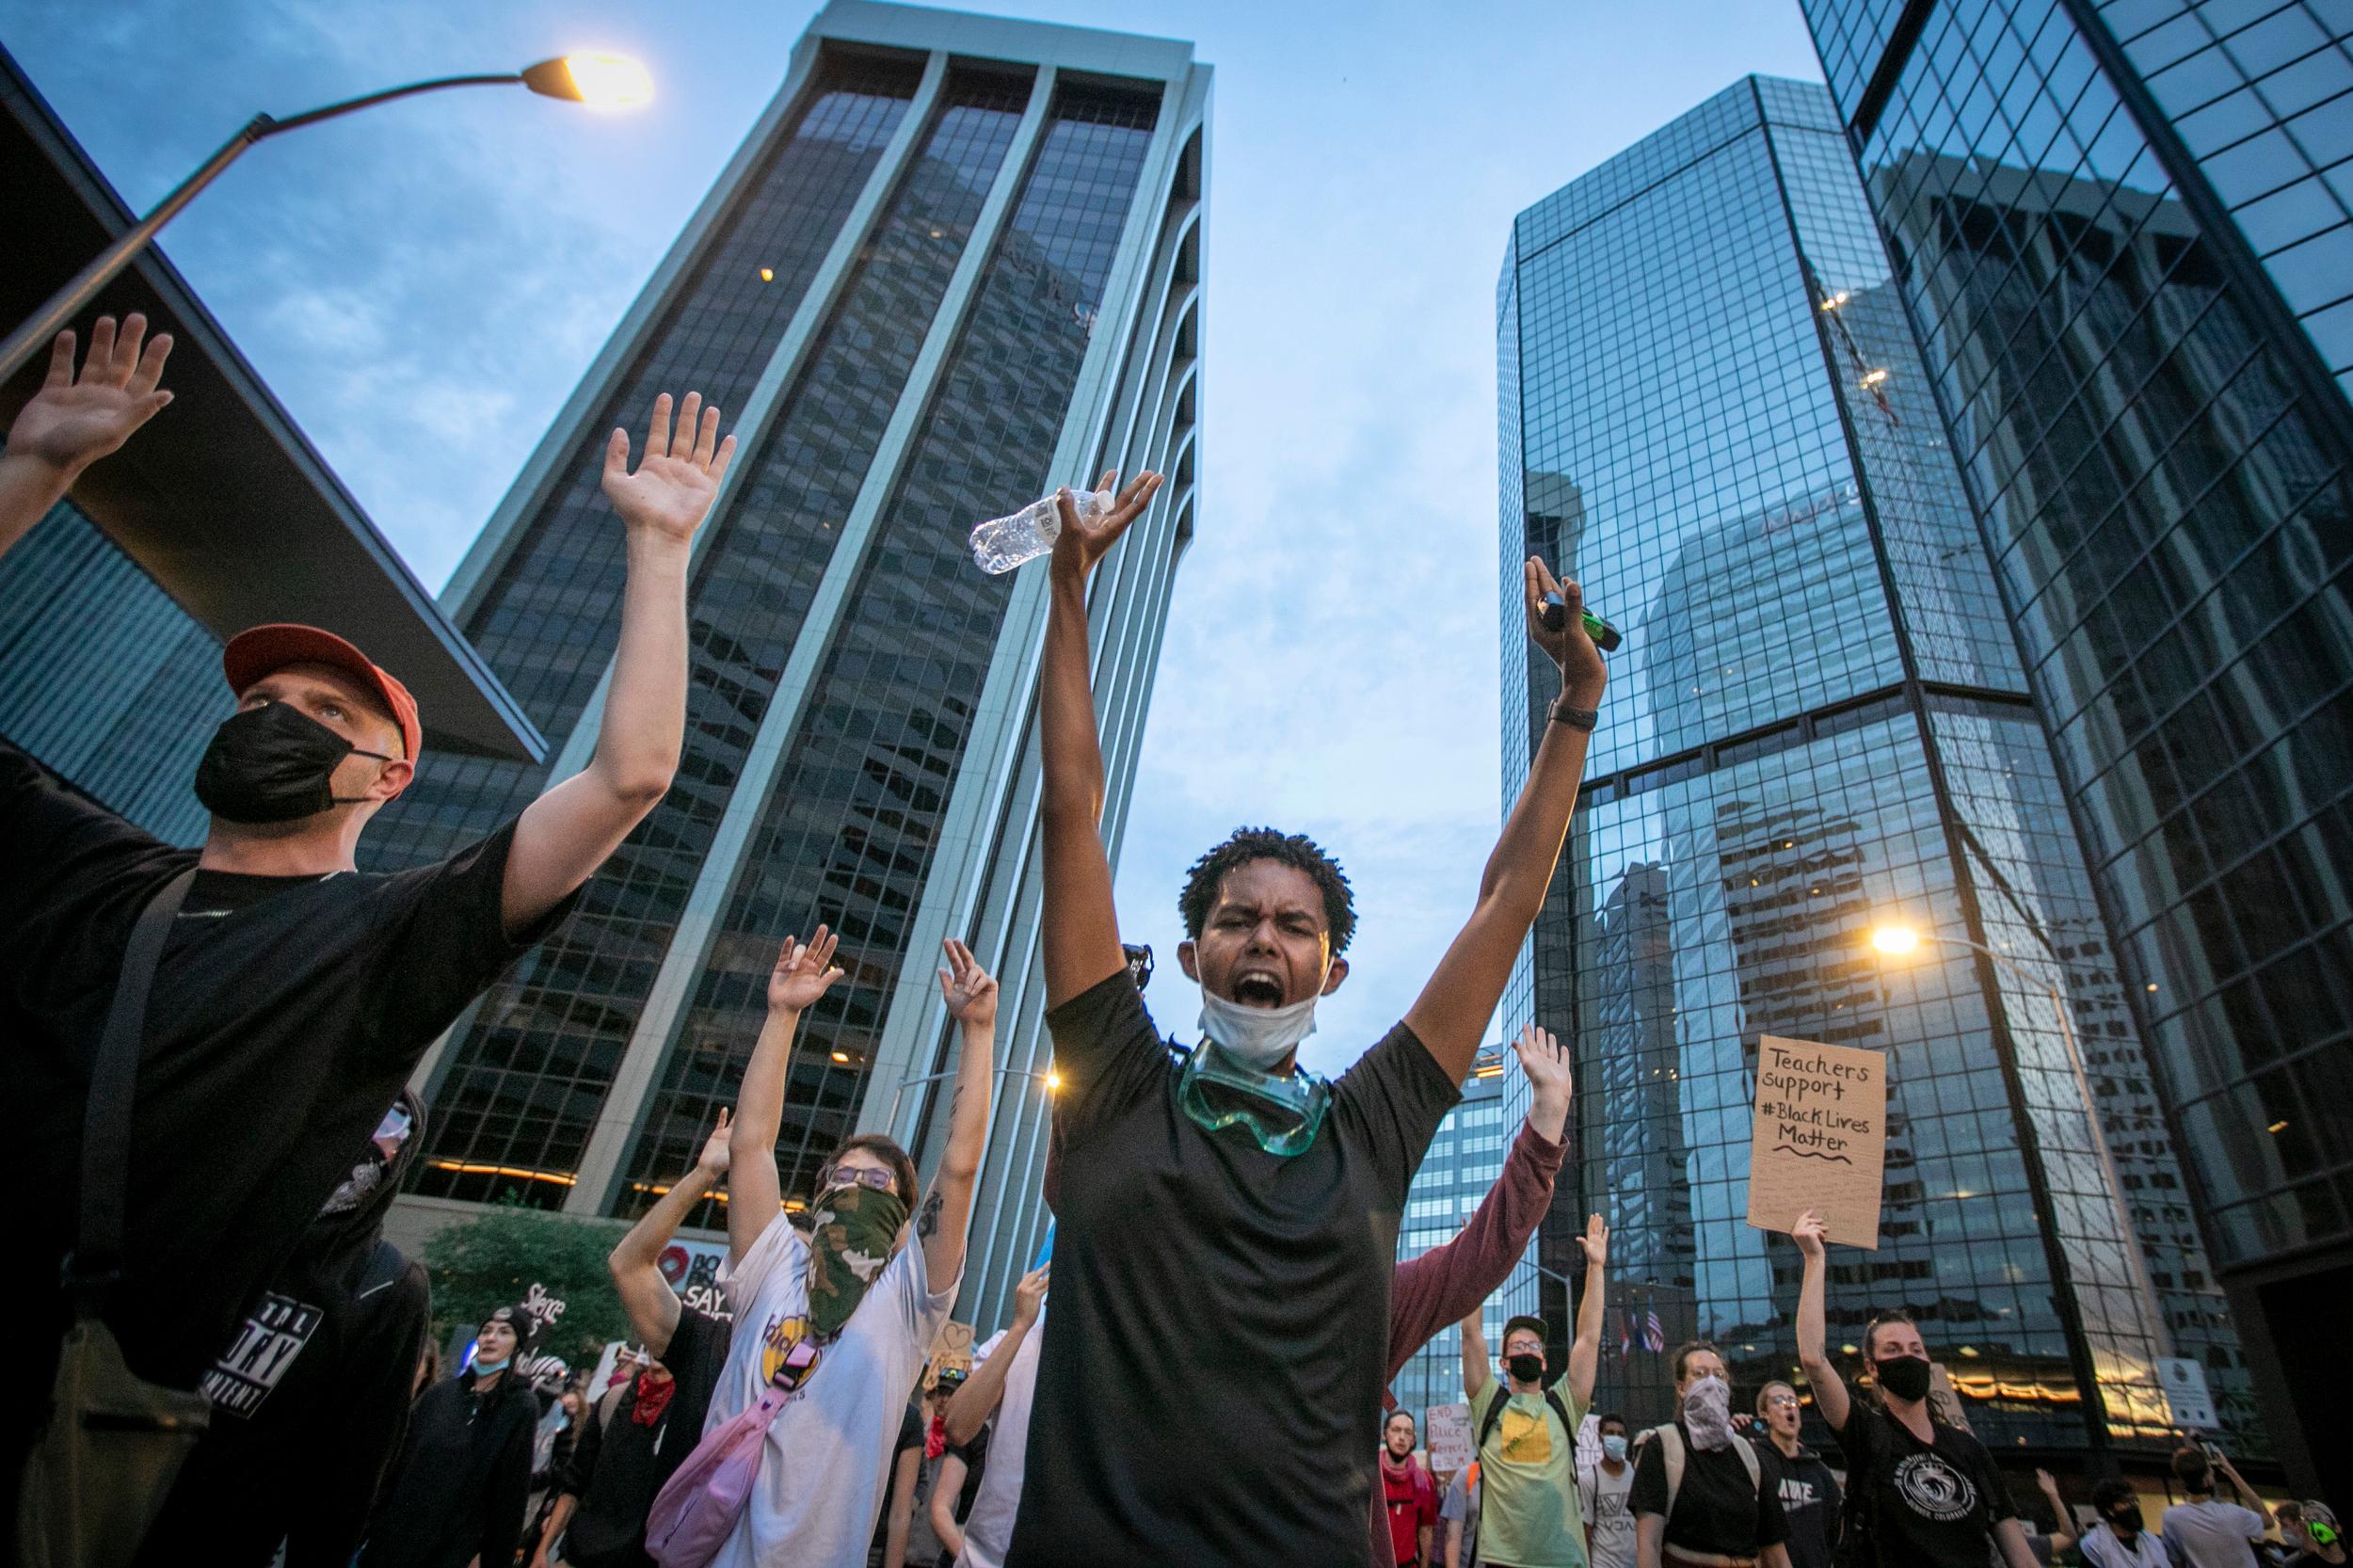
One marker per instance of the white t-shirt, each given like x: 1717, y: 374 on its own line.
x: 2102, y: 1548
x: 1609, y: 1515
x: 988, y: 1530
x: 828, y: 1452
x: 2211, y: 1534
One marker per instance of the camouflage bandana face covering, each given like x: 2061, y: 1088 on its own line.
x: 847, y: 1247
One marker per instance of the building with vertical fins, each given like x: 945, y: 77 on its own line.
x: 2123, y: 232
x: 956, y: 262
x: 1713, y: 414
x: 1462, y: 1162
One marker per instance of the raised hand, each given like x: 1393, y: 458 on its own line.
x: 713, y: 1162
x: 1808, y: 1233
x: 678, y: 477
x: 1545, y: 1064
x: 969, y: 991
x: 1080, y: 545
x: 1582, y: 672
x: 72, y: 422
x: 803, y: 974
x: 1028, y: 1297
x: 1594, y: 1243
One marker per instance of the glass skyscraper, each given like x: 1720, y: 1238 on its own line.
x: 2124, y: 235
x: 956, y: 263
x: 1713, y: 415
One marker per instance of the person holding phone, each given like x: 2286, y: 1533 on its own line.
x: 2207, y: 1531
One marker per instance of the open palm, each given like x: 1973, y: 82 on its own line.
x: 678, y: 477
x: 74, y: 420
x: 803, y: 972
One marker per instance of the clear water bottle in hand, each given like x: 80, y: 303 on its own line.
x: 1001, y: 544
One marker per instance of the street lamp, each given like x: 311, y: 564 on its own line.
x: 600, y: 81
x: 1902, y: 940
x: 1049, y: 1077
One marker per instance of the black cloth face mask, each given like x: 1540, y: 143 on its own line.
x: 1527, y: 1368
x: 1904, y: 1376
x: 273, y: 763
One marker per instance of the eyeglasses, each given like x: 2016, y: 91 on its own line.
x: 1781, y: 1399
x: 862, y: 1176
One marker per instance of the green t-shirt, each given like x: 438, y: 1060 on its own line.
x: 1531, y: 1516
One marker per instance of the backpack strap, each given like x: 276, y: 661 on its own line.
x: 96, y: 1261
x: 1748, y: 1461
x: 1670, y: 1440
x: 1495, y: 1415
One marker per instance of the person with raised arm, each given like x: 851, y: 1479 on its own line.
x: 645, y: 1428
x: 1918, y: 1491
x: 1525, y: 1432
x: 1225, y: 1222
x: 1004, y: 1374
x: 842, y: 1319
x: 293, y: 993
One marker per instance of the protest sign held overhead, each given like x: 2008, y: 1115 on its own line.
x: 1820, y: 1138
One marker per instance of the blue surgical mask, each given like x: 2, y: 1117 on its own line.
x: 1262, y: 1036
x: 485, y: 1366
x: 1615, y: 1446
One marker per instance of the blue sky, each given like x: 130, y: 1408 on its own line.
x: 423, y: 284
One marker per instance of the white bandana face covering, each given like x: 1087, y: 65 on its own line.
x: 1261, y: 1036
x: 1707, y: 1412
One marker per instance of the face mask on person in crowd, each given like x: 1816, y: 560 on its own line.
x: 1708, y: 1412
x: 485, y: 1366
x: 1614, y: 1444
x: 1525, y: 1368
x: 853, y: 1228
x: 1262, y: 1036
x: 1904, y: 1376
x: 273, y: 763
x: 2126, y: 1519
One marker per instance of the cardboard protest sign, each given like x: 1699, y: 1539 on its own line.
x: 1446, y: 1434
x: 1820, y: 1139
x: 951, y: 1352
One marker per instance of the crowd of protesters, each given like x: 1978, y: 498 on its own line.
x: 212, y: 1052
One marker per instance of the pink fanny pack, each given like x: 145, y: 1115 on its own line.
x: 697, y: 1509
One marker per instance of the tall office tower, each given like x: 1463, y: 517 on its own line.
x: 1465, y: 1157
x: 1712, y: 414
x: 2121, y: 231
x: 955, y: 263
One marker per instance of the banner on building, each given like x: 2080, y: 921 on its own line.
x: 1821, y: 1140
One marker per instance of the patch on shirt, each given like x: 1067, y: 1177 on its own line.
x: 1527, y: 1439
x: 780, y: 1336
x: 273, y: 1335
x: 1935, y: 1490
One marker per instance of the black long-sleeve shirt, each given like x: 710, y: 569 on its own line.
x: 463, y: 1478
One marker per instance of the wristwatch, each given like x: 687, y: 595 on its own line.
x: 1576, y: 718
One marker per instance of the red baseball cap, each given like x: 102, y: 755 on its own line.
x: 258, y: 650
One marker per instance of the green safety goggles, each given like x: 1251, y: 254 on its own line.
x: 1282, y: 1111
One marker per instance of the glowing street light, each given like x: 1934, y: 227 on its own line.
x: 600, y: 81
x: 1895, y: 940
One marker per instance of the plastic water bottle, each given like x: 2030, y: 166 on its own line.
x: 1001, y: 544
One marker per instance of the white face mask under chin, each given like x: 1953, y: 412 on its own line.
x: 1261, y: 1036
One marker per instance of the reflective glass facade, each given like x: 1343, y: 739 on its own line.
x: 2122, y: 234
x: 1715, y: 416
x: 104, y: 678
x: 925, y: 291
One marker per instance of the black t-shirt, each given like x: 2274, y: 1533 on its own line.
x: 285, y: 1016
x: 1810, y: 1501
x: 1932, y: 1504
x: 975, y: 1457
x: 1718, y: 1507
x: 618, y: 1467
x: 1211, y: 1374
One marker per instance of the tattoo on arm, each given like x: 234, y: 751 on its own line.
x: 927, y: 1224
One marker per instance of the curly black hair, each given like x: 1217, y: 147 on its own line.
x: 1264, y: 843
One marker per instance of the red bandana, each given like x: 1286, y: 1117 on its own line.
x: 653, y: 1397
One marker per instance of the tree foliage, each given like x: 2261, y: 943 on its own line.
x: 492, y: 1261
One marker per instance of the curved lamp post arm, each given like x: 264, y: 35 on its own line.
x: 34, y: 332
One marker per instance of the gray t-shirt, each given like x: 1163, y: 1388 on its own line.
x: 2211, y: 1535
x: 1461, y: 1502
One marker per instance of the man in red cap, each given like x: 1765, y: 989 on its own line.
x: 294, y: 994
